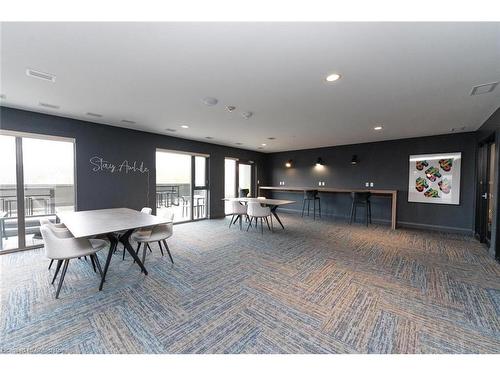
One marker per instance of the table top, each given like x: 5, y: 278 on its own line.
x: 329, y: 190
x: 96, y: 222
x: 272, y: 202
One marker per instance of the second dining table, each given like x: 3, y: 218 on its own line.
x: 272, y: 203
x: 117, y: 224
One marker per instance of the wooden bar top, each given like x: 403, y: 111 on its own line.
x: 328, y: 189
x: 392, y: 193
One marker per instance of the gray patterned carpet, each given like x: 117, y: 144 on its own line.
x: 318, y: 287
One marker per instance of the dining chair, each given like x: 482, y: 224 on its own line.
x: 238, y: 210
x: 65, y: 249
x: 255, y: 210
x: 145, y: 210
x: 159, y: 233
x: 243, y: 193
x: 60, y: 230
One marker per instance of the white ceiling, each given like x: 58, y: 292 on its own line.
x: 414, y: 78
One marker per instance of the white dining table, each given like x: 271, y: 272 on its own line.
x: 117, y: 224
x: 272, y: 203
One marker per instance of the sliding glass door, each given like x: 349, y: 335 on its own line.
x: 181, y: 185
x: 37, y: 181
x: 238, y: 180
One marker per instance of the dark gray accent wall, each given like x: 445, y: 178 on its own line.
x: 97, y: 190
x: 386, y: 165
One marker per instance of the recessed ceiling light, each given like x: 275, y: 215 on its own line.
x: 209, y: 101
x: 184, y: 126
x: 209, y: 137
x: 378, y: 127
x: 128, y: 121
x: 263, y: 144
x: 170, y: 130
x: 41, y: 75
x: 333, y: 77
x: 53, y: 106
x: 93, y: 114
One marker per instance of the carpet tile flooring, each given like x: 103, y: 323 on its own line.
x: 317, y: 287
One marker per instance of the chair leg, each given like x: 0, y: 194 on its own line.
x: 58, y: 267
x: 261, y: 226
x: 272, y: 225
x: 50, y: 265
x: 231, y: 221
x: 352, y: 213
x: 267, y: 222
x: 319, y: 207
x: 161, y: 249
x: 97, y: 263
x: 303, y: 207
x: 314, y: 209
x: 370, y: 211
x: 241, y: 220
x: 147, y: 244
x: 93, y: 264
x: 355, y: 210
x: 249, y: 223
x: 168, y: 251
x: 366, y: 218
x: 308, y: 206
x: 61, y: 280
x: 144, y: 250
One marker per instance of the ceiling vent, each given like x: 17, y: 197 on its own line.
x: 460, y: 129
x: 41, y: 75
x: 47, y: 105
x: 171, y: 130
x: 128, y: 121
x: 484, y: 89
x: 94, y: 114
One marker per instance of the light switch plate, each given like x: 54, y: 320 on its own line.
x: 367, y: 184
x: 371, y: 184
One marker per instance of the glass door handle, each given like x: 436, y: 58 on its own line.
x: 485, y: 196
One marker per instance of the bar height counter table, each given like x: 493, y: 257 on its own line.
x: 85, y: 224
x: 392, y: 193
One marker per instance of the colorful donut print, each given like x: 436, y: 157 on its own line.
x: 432, y: 173
x: 432, y: 193
x: 444, y: 186
x: 421, y: 184
x: 421, y: 164
x: 446, y: 164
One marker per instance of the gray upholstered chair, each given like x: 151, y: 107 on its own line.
x: 256, y: 211
x: 65, y: 249
x: 238, y: 210
x: 159, y: 233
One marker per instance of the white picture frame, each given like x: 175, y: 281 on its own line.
x: 435, y: 178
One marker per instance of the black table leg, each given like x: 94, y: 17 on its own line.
x: 124, y: 239
x: 112, y: 247
x: 273, y: 211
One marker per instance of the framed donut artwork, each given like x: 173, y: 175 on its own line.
x: 435, y: 178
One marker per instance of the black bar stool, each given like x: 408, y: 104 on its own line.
x: 361, y: 199
x: 311, y: 195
